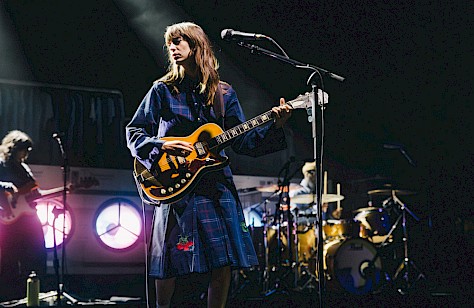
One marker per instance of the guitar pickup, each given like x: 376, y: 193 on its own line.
x: 200, y: 148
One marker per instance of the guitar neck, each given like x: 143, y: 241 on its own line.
x: 43, y: 193
x: 241, y: 129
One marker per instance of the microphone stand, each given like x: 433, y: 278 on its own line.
x: 60, y: 277
x: 322, y: 72
x: 259, y: 50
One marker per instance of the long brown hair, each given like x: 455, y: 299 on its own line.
x: 204, y: 57
x: 13, y: 142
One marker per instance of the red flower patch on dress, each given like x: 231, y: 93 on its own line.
x: 184, y: 244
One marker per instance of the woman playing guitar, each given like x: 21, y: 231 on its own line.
x: 22, y: 245
x: 203, y: 230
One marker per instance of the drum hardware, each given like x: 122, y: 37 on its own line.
x: 305, y: 243
x: 388, y: 236
x: 297, y: 248
x: 266, y: 271
x: 282, y: 210
x: 405, y: 268
x: 282, y: 256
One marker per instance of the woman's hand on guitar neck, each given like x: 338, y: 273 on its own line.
x: 177, y: 147
x: 281, y: 113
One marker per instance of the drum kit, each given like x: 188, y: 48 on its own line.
x: 354, y: 250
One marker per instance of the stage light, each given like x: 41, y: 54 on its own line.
x: 118, y: 224
x: 51, y: 215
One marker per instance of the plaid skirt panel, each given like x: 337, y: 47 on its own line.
x: 201, y: 232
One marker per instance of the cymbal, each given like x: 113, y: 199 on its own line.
x: 310, y: 198
x: 388, y: 192
x: 332, y: 198
x: 368, y: 209
x: 274, y: 187
x: 303, y: 199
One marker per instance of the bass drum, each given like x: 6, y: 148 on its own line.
x: 355, y: 265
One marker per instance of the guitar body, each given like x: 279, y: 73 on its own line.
x: 171, y: 177
x: 16, y: 205
x: 13, y: 206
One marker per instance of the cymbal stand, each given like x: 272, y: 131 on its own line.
x: 266, y: 271
x: 294, y: 234
x: 405, y: 268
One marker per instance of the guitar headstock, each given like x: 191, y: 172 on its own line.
x: 306, y: 100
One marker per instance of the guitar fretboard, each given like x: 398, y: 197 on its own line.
x: 243, y: 128
x: 302, y: 101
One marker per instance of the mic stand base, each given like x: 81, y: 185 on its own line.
x: 64, y: 297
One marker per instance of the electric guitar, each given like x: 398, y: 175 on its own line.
x: 14, y: 205
x: 173, y: 176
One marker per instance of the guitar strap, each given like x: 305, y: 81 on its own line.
x: 219, y: 111
x: 218, y: 104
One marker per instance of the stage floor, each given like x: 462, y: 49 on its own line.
x: 115, y: 290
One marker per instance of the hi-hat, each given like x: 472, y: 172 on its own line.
x: 274, y: 187
x: 388, y: 192
x: 310, y: 198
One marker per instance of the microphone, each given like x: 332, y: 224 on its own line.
x: 57, y: 135
x: 232, y: 35
x: 392, y: 146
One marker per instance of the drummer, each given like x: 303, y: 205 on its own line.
x: 329, y: 211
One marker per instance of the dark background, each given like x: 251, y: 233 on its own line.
x: 408, y: 70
